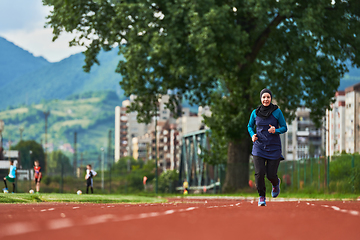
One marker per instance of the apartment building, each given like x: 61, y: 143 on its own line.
x: 335, y: 125
x: 126, y: 128
x: 303, y: 139
x: 352, y: 121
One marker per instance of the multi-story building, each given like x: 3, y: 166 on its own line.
x: 166, y: 145
x: 352, y: 121
x: 342, y: 122
x: 335, y: 126
x: 126, y: 128
x: 141, y: 147
x: 302, y: 139
x: 138, y: 140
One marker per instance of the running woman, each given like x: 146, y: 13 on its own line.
x: 270, y: 123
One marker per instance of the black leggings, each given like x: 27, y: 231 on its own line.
x: 266, y: 167
x: 12, y: 184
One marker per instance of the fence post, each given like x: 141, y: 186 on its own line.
x: 29, y: 178
x: 298, y: 173
x: 352, y: 170
x: 285, y: 185
x: 319, y: 173
x: 304, y: 172
x: 328, y: 173
x: 220, y: 178
x: 311, y: 171
x: 292, y: 175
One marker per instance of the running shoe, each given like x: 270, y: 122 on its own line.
x: 262, y: 201
x: 276, y: 190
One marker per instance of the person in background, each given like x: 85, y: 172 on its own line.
x: 11, y: 177
x: 37, y: 175
x: 89, y: 178
x: 270, y: 123
x: 186, y: 186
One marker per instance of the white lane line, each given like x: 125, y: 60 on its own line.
x: 99, y: 219
x: 18, y: 228
x: 60, y: 223
x: 76, y: 207
x: 169, y: 212
x: 51, y: 209
x: 351, y: 212
x: 335, y: 208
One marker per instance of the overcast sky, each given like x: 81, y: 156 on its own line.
x: 22, y: 22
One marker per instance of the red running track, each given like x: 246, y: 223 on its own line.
x: 183, y: 219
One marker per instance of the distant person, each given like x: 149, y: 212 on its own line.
x: 270, y: 123
x: 89, y: 178
x: 11, y: 177
x: 1, y: 153
x: 186, y: 186
x: 37, y: 175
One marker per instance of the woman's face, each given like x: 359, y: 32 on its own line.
x: 266, y: 99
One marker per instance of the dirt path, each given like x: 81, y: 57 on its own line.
x: 183, y: 219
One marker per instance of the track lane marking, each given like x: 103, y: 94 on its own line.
x: 61, y: 223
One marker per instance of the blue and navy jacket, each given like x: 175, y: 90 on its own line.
x: 268, y: 144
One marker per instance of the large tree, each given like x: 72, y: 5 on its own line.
x: 31, y: 151
x: 220, y: 53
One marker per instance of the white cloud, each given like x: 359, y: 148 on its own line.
x: 22, y: 22
x: 39, y: 43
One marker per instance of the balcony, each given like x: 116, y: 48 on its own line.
x: 303, y: 133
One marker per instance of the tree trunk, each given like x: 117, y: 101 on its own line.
x: 237, y: 171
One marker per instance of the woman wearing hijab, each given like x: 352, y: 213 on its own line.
x: 270, y: 123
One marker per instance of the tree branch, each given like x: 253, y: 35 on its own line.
x: 260, y: 41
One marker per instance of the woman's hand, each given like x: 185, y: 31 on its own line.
x: 254, y: 137
x: 271, y: 129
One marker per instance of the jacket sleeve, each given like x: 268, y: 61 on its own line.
x: 282, y: 123
x: 251, y: 124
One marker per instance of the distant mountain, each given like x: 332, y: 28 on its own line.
x: 15, y: 61
x: 61, y: 79
x: 90, y: 114
x: 25, y: 79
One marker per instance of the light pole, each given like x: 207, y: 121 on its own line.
x: 102, y: 169
x: 46, y: 114
x: 30, y: 152
x: 21, y: 129
x: 156, y: 153
x: 1, y: 130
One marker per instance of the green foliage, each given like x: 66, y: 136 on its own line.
x: 27, y: 158
x: 132, y: 172
x: 343, y: 176
x: 58, y: 164
x: 168, y: 181
x: 90, y: 114
x: 220, y: 53
x: 218, y: 148
x: 73, y: 198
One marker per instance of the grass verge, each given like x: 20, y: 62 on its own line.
x: 73, y: 198
x: 321, y: 196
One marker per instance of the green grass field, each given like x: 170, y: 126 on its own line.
x: 148, y: 198
x: 74, y: 198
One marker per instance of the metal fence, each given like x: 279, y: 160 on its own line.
x: 338, y: 174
